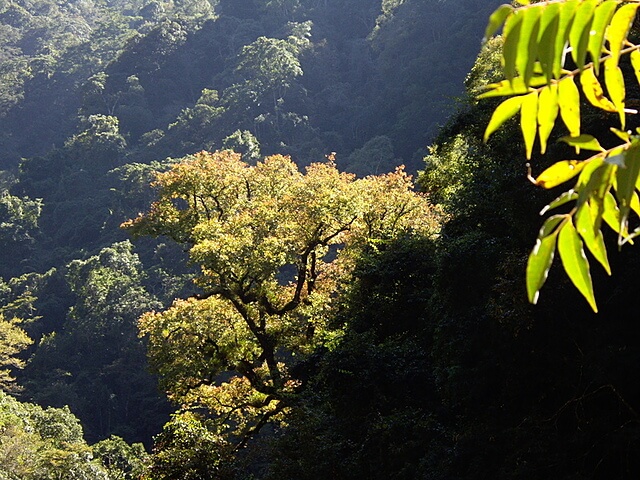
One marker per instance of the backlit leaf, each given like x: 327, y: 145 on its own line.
x: 593, y: 91
x: 502, y: 113
x: 619, y: 29
x: 569, y: 101
x: 616, y: 156
x: 590, y: 166
x: 539, y: 263
x: 547, y: 113
x: 615, y: 86
x: 595, y: 189
x: 511, y: 34
x: 611, y: 213
x: 626, y: 178
x: 547, y: 32
x: 601, y: 19
x: 622, y: 135
x: 528, y: 121
x: 580, y: 31
x: 496, y: 20
x: 513, y: 87
x: 550, y: 225
x: 528, y: 44
x: 575, y: 262
x: 564, y: 198
x: 584, y: 141
x: 559, y: 173
x: 567, y: 11
x: 592, y: 236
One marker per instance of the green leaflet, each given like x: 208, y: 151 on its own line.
x: 541, y: 257
x: 615, y: 86
x: 575, y: 262
x: 547, y: 32
x: 594, y: 188
x: 592, y: 236
x: 587, y: 142
x: 564, y: 198
x: 528, y: 44
x: 619, y: 29
x: 513, y: 87
x: 560, y: 172
x: 616, y: 156
x: 511, y: 34
x: 569, y: 102
x: 567, y: 11
x: 601, y: 19
x: 502, y: 113
x: 496, y: 19
x: 547, y: 113
x: 528, y: 121
x: 593, y: 91
x: 626, y: 178
x: 611, y: 213
x: 580, y: 31
x: 624, y: 136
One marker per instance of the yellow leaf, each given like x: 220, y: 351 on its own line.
x: 619, y: 29
x: 496, y: 19
x: 528, y: 121
x: 541, y: 257
x: 547, y: 32
x: 580, y: 31
x: 615, y: 86
x: 588, y: 142
x: 559, y: 173
x: 567, y: 11
x: 502, y: 113
x: 593, y: 91
x: 528, y: 44
x: 514, y: 87
x: 511, y: 34
x: 586, y: 225
x: 601, y: 19
x: 575, y: 262
x: 547, y: 113
x: 569, y: 101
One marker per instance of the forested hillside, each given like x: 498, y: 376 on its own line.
x: 263, y: 239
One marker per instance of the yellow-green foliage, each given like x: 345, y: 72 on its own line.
x: 552, y: 51
x: 13, y: 340
x: 273, y: 244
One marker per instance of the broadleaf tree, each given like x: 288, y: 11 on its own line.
x: 273, y: 245
x: 552, y: 51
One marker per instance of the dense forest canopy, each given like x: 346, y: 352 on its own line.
x: 322, y: 270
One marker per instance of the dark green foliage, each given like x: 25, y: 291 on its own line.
x: 372, y: 410
x: 19, y: 231
x: 533, y: 392
x: 99, y: 352
x: 95, y: 95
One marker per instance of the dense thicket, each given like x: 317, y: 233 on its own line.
x: 95, y: 96
x: 438, y: 368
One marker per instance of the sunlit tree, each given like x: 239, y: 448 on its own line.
x: 274, y: 246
